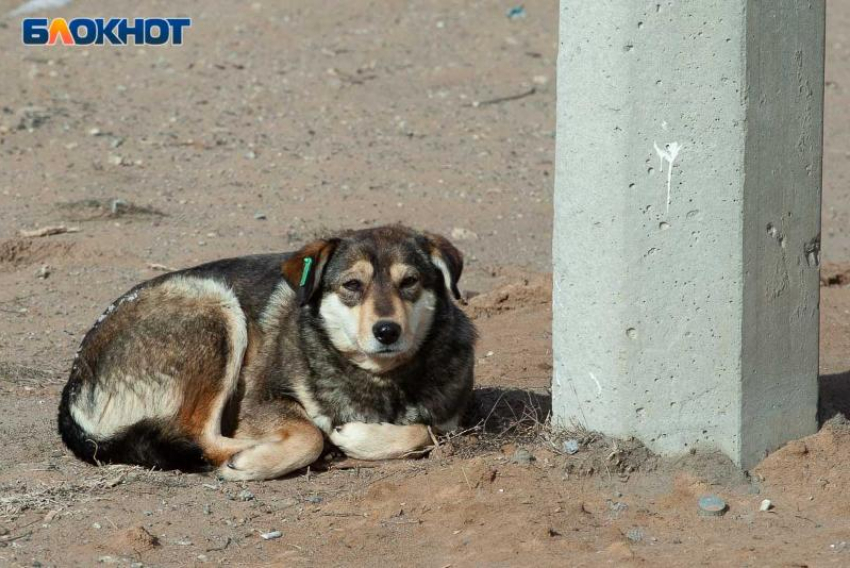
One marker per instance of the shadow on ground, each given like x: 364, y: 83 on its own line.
x: 833, y: 396
x: 503, y: 411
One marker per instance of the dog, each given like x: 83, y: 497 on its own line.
x: 248, y: 365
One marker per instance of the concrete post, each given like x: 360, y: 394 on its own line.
x: 687, y: 221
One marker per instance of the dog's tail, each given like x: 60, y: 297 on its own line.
x: 149, y: 442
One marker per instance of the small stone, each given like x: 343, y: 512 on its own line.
x: 522, y: 457
x: 115, y: 160
x: 245, y: 495
x: 107, y: 560
x: 712, y: 506
x: 260, y: 216
x: 766, y: 506
x: 44, y: 271
x: 94, y: 131
x: 617, y: 507
x: 461, y: 234
x: 313, y: 499
x: 207, y: 509
x: 96, y: 526
x: 516, y: 12
x: 489, y: 354
x: 571, y: 446
x: 271, y: 535
x: 635, y: 535
x: 251, y: 155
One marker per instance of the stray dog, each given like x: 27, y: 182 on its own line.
x: 247, y: 364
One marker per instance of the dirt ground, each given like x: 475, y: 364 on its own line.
x: 275, y: 123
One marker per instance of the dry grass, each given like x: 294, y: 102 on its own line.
x: 22, y: 496
x: 22, y: 376
x: 498, y: 418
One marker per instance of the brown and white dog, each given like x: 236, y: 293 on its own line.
x: 248, y: 364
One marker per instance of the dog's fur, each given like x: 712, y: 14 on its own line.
x: 237, y: 365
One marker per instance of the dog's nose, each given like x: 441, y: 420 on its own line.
x: 387, y: 332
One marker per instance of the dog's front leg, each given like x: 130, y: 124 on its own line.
x: 383, y: 441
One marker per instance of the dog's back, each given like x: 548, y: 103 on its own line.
x: 183, y: 336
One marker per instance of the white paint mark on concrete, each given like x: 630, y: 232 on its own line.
x: 669, y: 155
x: 598, y: 386
x: 37, y: 5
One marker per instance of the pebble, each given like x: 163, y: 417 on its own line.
x: 461, y: 234
x: 260, y: 216
x: 617, y: 506
x: 571, y: 446
x: 96, y: 526
x: 766, y: 505
x: 516, y: 12
x: 251, y: 155
x: 712, y: 506
x: 271, y: 535
x: 635, y: 535
x: 245, y: 495
x: 44, y: 271
x: 522, y: 457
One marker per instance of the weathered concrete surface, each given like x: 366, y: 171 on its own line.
x: 687, y: 220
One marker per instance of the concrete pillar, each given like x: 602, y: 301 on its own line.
x: 687, y: 221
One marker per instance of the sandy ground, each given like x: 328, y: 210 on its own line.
x: 277, y: 123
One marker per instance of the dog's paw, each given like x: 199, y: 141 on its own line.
x: 263, y: 461
x: 358, y: 440
x: 383, y: 441
x: 244, y: 466
x: 272, y: 459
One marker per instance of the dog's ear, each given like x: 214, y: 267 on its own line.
x: 447, y: 259
x: 303, y: 270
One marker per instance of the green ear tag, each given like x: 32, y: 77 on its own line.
x: 308, y: 262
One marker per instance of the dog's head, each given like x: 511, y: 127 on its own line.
x: 376, y: 290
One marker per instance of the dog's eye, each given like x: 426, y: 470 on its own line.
x: 353, y: 285
x: 409, y: 282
